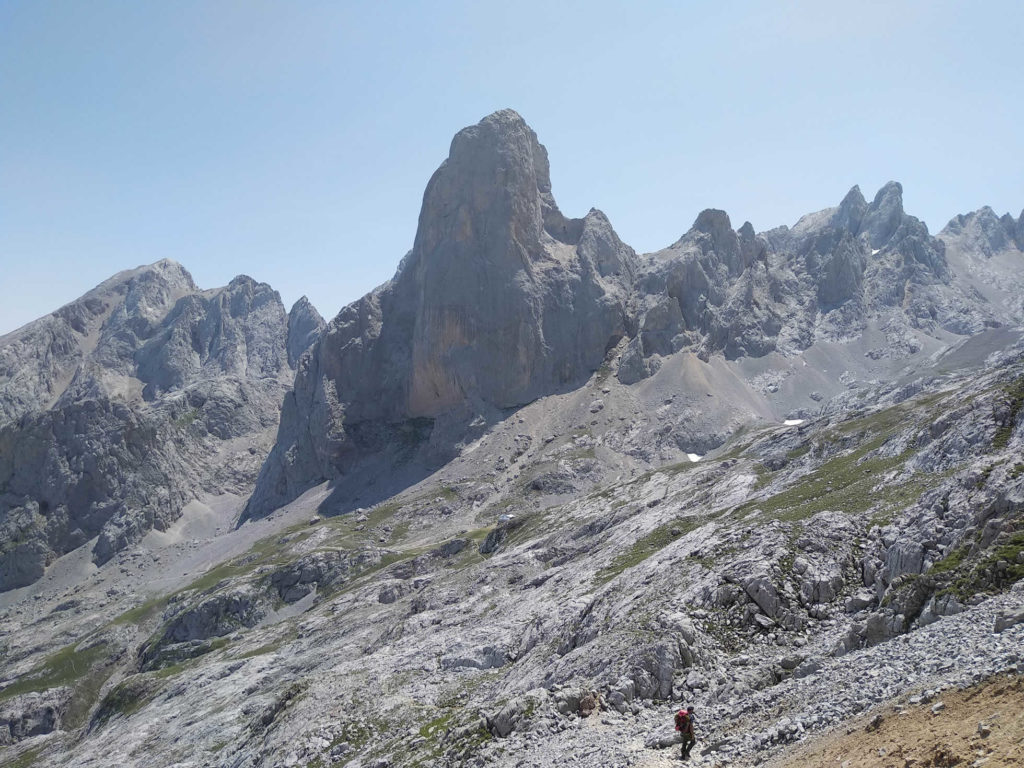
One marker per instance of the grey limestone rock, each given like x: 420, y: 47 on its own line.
x: 304, y: 327
x: 33, y: 714
x: 127, y: 418
x: 1009, y: 619
x: 986, y: 252
x: 501, y: 300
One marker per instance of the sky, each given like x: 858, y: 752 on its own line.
x: 292, y: 140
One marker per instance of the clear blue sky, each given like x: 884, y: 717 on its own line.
x: 291, y: 141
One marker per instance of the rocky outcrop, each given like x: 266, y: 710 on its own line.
x: 501, y: 300
x: 986, y: 233
x: 123, y: 406
x: 304, y: 327
x: 39, y: 361
x: 33, y: 714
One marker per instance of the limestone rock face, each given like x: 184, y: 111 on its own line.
x: 32, y: 714
x: 501, y: 300
x: 122, y: 406
x: 828, y: 278
x: 986, y: 252
x: 39, y: 361
x: 304, y: 327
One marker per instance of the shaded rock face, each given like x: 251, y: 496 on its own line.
x: 501, y: 300
x: 33, y: 714
x: 118, y: 409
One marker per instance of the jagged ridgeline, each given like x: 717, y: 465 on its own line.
x: 503, y: 300
x: 119, y: 408
x: 534, y: 476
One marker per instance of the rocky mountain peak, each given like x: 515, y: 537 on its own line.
x: 884, y: 215
x: 120, y: 407
x: 486, y: 200
x: 713, y: 233
x: 851, y: 211
x: 501, y: 301
x: 987, y: 231
x: 304, y: 327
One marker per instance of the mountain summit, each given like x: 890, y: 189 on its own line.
x: 124, y: 405
x: 504, y: 300
x: 501, y: 300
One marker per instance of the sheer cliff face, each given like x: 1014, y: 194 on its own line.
x: 507, y: 304
x: 501, y: 300
x: 122, y: 406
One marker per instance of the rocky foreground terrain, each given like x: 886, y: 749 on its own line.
x: 527, y: 497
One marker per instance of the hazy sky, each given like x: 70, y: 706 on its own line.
x: 291, y: 141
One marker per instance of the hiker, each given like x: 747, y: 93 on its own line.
x: 684, y: 724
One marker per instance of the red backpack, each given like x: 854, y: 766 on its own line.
x: 682, y: 719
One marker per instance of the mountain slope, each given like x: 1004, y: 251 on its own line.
x: 465, y: 619
x: 536, y: 490
x: 120, y: 407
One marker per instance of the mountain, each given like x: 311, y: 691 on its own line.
x: 987, y: 252
x: 528, y: 496
x: 120, y: 407
x: 503, y: 300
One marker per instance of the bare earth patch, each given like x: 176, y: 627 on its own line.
x: 978, y: 726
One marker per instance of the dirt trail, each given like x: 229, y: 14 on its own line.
x: 979, y: 726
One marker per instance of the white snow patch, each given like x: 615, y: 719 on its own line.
x: 794, y: 422
x: 694, y: 457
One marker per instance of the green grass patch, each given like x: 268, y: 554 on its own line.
x: 84, y: 672
x: 885, y: 421
x: 845, y: 483
x: 186, y: 419
x: 131, y: 695
x: 65, y: 667
x: 966, y: 579
x: 799, y: 452
x: 26, y: 759
x: 1015, y: 392
x: 267, y: 551
x: 265, y: 649
x: 436, y: 727
x: 646, y: 546
x: 1009, y: 551
x: 142, y: 613
x: 951, y: 562
x: 529, y: 525
x: 764, y: 476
